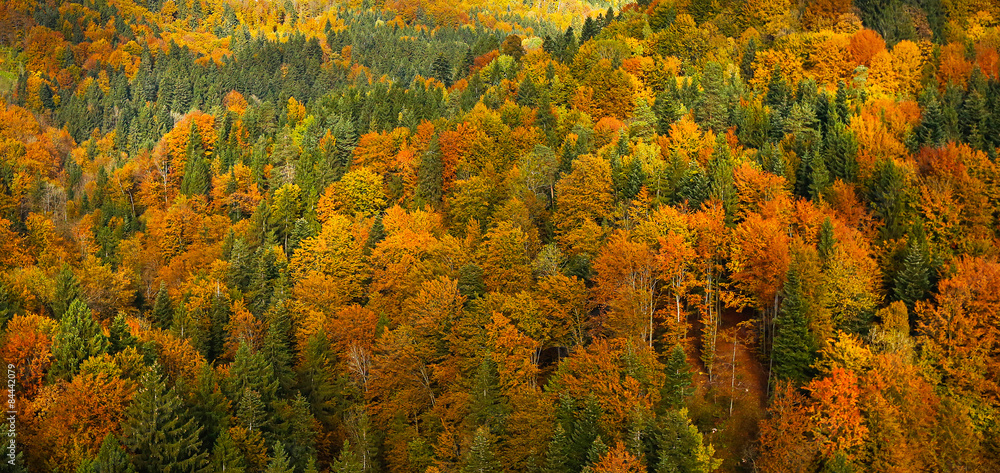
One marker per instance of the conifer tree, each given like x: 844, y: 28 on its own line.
x: 557, y: 458
x: 316, y: 380
x: 163, y: 308
x: 158, y: 431
x: 111, y: 458
x: 678, y: 379
x: 441, y: 70
x: 826, y: 239
x: 67, y: 291
x: 481, y: 457
x: 794, y: 349
x: 430, y: 176
x: 279, y: 461
x: 226, y: 456
x: 347, y: 461
x: 488, y: 407
x: 120, y: 336
x: 79, y: 337
x: 913, y: 280
x: 527, y: 93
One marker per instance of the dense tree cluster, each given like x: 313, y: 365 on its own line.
x: 416, y: 235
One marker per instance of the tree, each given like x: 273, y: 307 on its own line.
x: 163, y: 308
x: 618, y: 460
x: 112, y: 458
x: 226, y: 457
x: 678, y: 379
x: 79, y: 338
x: 158, y: 431
x: 279, y: 462
x: 912, y: 282
x: 794, y: 347
x: 481, y: 457
x: 67, y: 290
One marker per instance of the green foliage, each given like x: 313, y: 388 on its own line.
x: 794, y: 349
x: 79, y: 337
x: 159, y: 433
x: 481, y: 457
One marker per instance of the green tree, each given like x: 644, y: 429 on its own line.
x: 158, y: 431
x: 279, y: 461
x: 441, y: 70
x: 111, y: 458
x: 347, y: 461
x: 481, y: 457
x: 163, y: 308
x: 678, y: 379
x: 794, y: 347
x: 488, y: 408
x: 226, y: 456
x: 79, y: 337
x: 67, y: 291
x: 912, y: 281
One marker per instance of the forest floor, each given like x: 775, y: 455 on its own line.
x: 728, y: 405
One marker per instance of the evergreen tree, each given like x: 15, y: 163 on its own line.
x: 545, y: 119
x: 430, y: 176
x: 347, y: 461
x: 560, y: 448
x: 712, y: 110
x: 644, y: 121
x: 79, y: 337
x: 826, y: 239
x: 488, y: 407
x: 794, y: 349
x: 677, y: 446
x: 678, y: 379
x: 666, y: 109
x: 819, y: 178
x: 111, y: 458
x: 589, y: 30
x: 163, y: 308
x: 159, y: 433
x: 9, y: 305
x: 470, y: 281
x: 67, y: 291
x: 208, y: 406
x: 277, y: 348
x: 912, y: 281
x: 316, y: 380
x: 930, y: 131
x: 441, y: 70
x: 120, y: 336
x: 226, y: 456
x: 296, y: 427
x: 527, y: 93
x: 279, y: 462
x: 481, y: 457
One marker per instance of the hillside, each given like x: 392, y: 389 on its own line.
x: 545, y: 236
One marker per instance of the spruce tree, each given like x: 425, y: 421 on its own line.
x: 111, y: 458
x: 163, y: 308
x: 120, y: 336
x: 347, y: 461
x: 793, y: 350
x: 441, y: 70
x: 79, y: 337
x: 557, y: 459
x: 67, y: 291
x: 527, y: 93
x: 481, y: 457
x: 316, y: 380
x: 279, y: 461
x: 430, y: 176
x: 158, y: 431
x: 545, y: 119
x: 678, y: 379
x: 488, y: 407
x: 912, y: 281
x: 826, y: 243
x: 226, y: 456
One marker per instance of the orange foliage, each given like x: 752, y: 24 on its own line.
x: 865, y: 44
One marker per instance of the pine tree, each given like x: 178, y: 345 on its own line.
x: 819, y: 178
x: 209, y: 407
x: 111, y: 458
x: 430, y: 176
x: 488, y: 407
x: 666, y: 109
x: 643, y: 121
x: 930, y: 131
x: 277, y: 348
x: 597, y: 450
x: 912, y: 282
x: 316, y: 380
x: 159, y: 432
x: 347, y: 461
x: 527, y: 93
x: 441, y: 70
x: 163, y: 308
x: 249, y: 371
x: 79, y: 337
x: 226, y: 456
x: 296, y: 427
x: 67, y: 291
x: 678, y: 379
x: 794, y: 349
x: 481, y: 457
x: 279, y: 462
x: 826, y: 240
x: 545, y: 119
x: 120, y: 336
x: 558, y: 457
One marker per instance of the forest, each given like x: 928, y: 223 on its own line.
x: 525, y: 236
